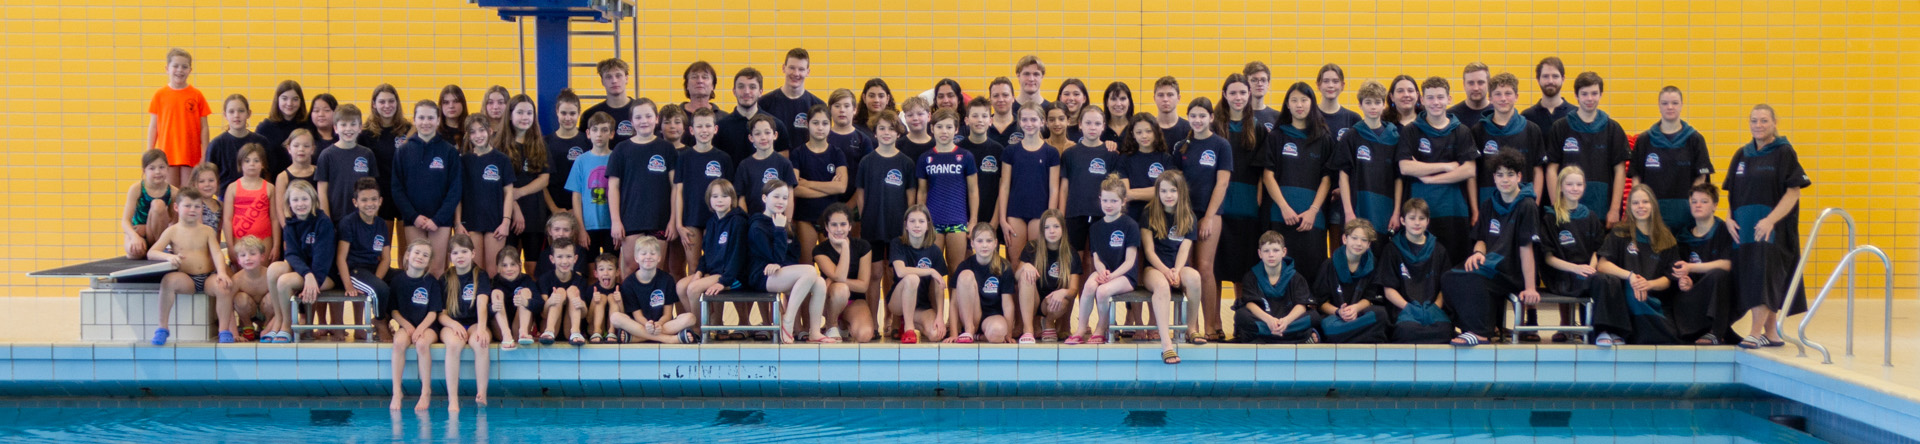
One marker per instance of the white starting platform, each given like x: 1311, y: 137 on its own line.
x: 122, y: 302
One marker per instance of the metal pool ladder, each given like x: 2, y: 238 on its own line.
x: 1847, y: 263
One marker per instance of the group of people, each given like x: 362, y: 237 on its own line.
x: 1002, y: 217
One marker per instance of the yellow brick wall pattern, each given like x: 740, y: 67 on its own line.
x: 75, y: 75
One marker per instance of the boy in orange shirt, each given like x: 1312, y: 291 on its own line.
x: 179, y: 123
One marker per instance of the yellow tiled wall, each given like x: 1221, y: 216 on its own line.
x: 75, y: 75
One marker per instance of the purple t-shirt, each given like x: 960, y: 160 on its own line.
x: 946, y: 175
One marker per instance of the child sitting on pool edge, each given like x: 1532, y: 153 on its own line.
x: 193, y: 245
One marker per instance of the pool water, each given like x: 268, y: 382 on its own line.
x: 275, y: 423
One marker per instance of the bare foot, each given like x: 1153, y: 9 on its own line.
x: 396, y: 402
x: 480, y: 400
x: 453, y: 405
x: 425, y: 402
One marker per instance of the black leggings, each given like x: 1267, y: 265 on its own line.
x: 1477, y: 300
x: 367, y: 282
x: 1239, y: 248
x: 531, y: 242
x: 1456, y: 235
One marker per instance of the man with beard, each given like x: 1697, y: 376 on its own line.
x: 1551, y: 74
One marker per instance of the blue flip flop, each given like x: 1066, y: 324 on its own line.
x: 160, y: 336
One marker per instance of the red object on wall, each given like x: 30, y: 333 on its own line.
x: 1626, y: 192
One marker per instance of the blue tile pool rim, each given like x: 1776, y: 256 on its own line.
x: 953, y: 370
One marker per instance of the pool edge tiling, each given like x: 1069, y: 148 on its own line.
x: 1832, y: 392
x: 951, y: 370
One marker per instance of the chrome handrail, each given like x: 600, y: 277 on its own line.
x: 1846, y: 262
x: 1799, y: 270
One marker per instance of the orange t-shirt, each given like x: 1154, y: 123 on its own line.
x: 180, y: 115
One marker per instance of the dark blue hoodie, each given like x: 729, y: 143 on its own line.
x: 721, y: 247
x: 427, y: 180
x: 766, y: 244
x: 309, y: 245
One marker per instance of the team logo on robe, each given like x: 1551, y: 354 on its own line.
x: 437, y: 164
x: 1364, y: 153
x: 574, y: 153
x: 1097, y: 166
x: 1015, y: 137
x: 491, y: 173
x: 1633, y: 249
x: 924, y: 263
x: 310, y: 239
x: 625, y: 129
x: 1493, y: 147
x: 1493, y: 227
x: 1053, y: 270
x: 419, y: 296
x: 1118, y: 239
x: 1426, y: 146
x: 992, y: 285
x: 723, y: 238
x: 657, y: 163
x: 658, y: 298
x: 1566, y: 237
x: 1337, y: 135
x: 1290, y: 150
x: 1572, y: 145
x: 1207, y: 158
x: 989, y: 164
x: 770, y: 175
x: 466, y: 293
x: 1269, y: 126
x: 800, y: 121
x: 959, y: 137
x: 379, y: 243
x: 1403, y: 272
x: 399, y: 141
x: 1154, y: 170
x: 1740, y: 169
x: 1653, y: 160
x: 894, y: 177
x: 713, y: 169
x: 1693, y: 257
x: 360, y: 165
